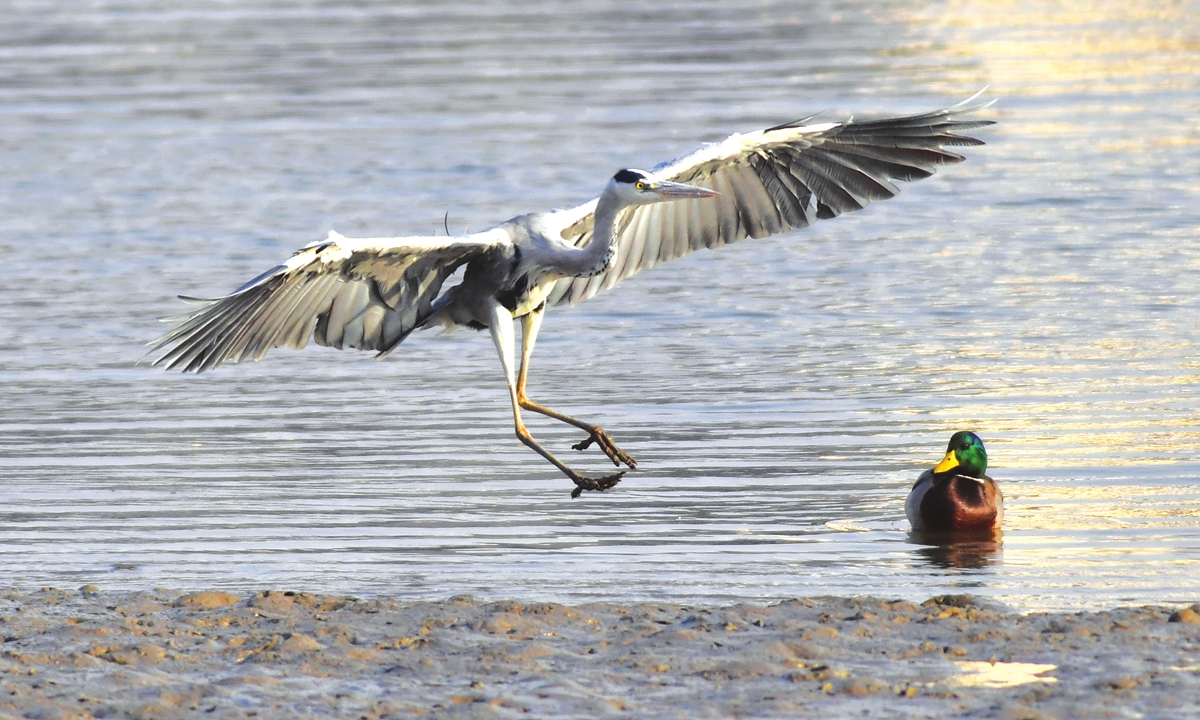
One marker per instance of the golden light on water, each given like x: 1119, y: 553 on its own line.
x: 1075, y: 402
x: 1104, y: 47
x: 1048, y: 507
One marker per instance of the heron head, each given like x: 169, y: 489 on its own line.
x: 965, y: 455
x: 638, y: 187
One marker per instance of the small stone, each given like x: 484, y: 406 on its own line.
x: 509, y: 623
x: 1123, y: 683
x: 300, y: 643
x: 89, y: 590
x: 403, y: 643
x: 864, y: 686
x: 807, y: 651
x: 274, y: 601
x: 84, y: 660
x: 207, y: 600
x: 145, y: 654
x: 824, y: 633
x: 958, y: 601
x: 1186, y: 615
x: 151, y: 653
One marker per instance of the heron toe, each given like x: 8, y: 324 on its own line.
x: 605, y: 442
x: 598, y: 484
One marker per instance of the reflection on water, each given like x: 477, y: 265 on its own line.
x: 780, y: 395
x: 965, y: 553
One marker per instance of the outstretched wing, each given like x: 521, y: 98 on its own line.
x: 367, y: 294
x: 785, y: 177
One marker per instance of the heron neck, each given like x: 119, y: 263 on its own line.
x: 601, y: 253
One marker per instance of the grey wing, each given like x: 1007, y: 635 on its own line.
x: 785, y: 177
x: 364, y: 294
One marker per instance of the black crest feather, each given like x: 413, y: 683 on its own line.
x: 628, y: 176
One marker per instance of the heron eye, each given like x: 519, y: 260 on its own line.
x: 640, y: 185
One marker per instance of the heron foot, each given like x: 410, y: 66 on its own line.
x: 605, y: 443
x: 598, y: 484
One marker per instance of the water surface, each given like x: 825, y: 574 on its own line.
x: 781, y: 395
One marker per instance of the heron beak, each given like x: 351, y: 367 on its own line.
x: 668, y: 190
x: 948, y: 463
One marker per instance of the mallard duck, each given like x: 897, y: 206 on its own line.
x: 956, y: 495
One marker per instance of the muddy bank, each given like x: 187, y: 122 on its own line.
x: 277, y: 654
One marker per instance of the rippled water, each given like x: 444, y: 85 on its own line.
x: 780, y: 394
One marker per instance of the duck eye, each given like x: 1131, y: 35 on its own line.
x: 640, y: 185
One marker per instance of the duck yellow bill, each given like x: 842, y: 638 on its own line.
x: 948, y: 463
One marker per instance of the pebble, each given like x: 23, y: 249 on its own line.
x: 1186, y: 615
x: 864, y: 686
x: 299, y: 643
x: 207, y: 599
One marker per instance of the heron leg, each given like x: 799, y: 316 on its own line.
x: 501, y: 325
x: 530, y: 324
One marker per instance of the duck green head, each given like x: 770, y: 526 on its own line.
x: 964, y: 455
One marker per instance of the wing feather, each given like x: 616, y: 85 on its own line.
x: 292, y: 332
x: 345, y: 304
x: 667, y: 234
x: 625, y: 250
x: 358, y: 301
x: 364, y: 293
x: 758, y: 214
x: 785, y: 192
x: 247, y: 341
x: 642, y: 234
x: 651, y: 249
x: 199, y: 332
x: 833, y: 188
x: 709, y: 219
x: 853, y: 176
x: 728, y: 228
x: 771, y: 181
x: 373, y: 325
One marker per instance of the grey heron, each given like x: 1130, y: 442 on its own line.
x: 371, y: 293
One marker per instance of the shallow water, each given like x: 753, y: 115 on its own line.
x: 781, y: 395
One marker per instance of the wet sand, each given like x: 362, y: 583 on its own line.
x: 277, y: 654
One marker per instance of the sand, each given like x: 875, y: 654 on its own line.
x: 162, y: 654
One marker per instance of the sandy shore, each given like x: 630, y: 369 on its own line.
x: 278, y: 654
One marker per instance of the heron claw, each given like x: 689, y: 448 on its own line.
x: 598, y: 484
x: 605, y: 443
